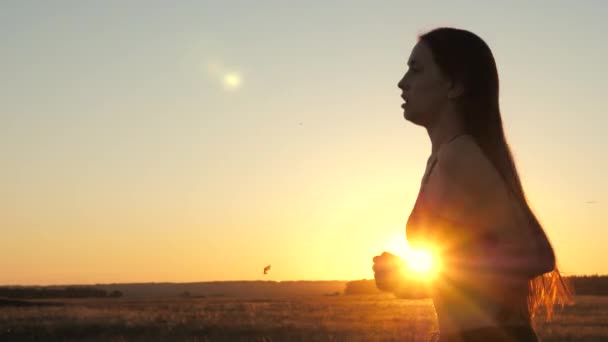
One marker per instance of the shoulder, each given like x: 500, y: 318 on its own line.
x: 463, y: 162
x: 461, y: 188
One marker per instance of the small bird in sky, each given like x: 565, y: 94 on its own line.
x: 266, y: 269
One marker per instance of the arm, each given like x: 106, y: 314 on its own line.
x: 481, y: 226
x: 510, y: 250
x: 521, y: 249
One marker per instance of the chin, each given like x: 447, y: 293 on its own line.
x: 408, y: 116
x: 414, y: 118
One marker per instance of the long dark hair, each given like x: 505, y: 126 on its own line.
x: 465, y: 58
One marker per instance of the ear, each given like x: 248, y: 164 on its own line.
x: 456, y: 89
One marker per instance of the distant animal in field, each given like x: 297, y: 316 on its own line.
x: 266, y: 269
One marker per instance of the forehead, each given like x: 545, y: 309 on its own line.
x: 421, y: 54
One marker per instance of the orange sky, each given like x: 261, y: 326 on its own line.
x: 194, y: 148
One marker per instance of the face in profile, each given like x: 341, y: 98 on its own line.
x: 423, y: 87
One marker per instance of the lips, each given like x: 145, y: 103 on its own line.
x: 404, y: 100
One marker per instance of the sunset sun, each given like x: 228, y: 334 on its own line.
x: 421, y: 263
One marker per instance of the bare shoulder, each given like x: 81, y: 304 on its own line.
x: 467, y: 186
x: 463, y: 161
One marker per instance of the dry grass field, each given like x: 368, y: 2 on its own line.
x: 305, y: 318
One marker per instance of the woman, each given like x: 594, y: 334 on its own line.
x: 498, y: 266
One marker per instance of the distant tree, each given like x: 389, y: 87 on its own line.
x: 594, y: 285
x: 115, y: 294
x: 84, y: 292
x: 363, y: 286
x: 44, y: 292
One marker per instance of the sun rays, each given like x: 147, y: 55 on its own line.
x: 420, y: 263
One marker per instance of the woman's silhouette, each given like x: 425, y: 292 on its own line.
x: 498, y: 266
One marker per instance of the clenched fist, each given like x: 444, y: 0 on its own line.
x: 388, y: 270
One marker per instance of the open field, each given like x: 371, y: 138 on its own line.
x: 307, y: 318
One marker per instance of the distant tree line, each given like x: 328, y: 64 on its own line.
x: 66, y: 292
x: 367, y: 286
x: 363, y: 286
x: 592, y: 285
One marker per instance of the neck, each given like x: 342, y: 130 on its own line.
x: 445, y: 128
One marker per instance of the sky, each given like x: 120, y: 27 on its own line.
x: 149, y: 141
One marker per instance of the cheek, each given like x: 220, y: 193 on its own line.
x: 427, y: 99
x: 430, y: 92
x: 429, y: 86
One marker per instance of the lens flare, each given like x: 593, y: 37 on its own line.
x: 229, y: 79
x: 421, y: 263
x: 232, y: 80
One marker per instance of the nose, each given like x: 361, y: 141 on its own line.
x: 402, y: 84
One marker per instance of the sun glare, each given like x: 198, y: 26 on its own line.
x: 421, y: 263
